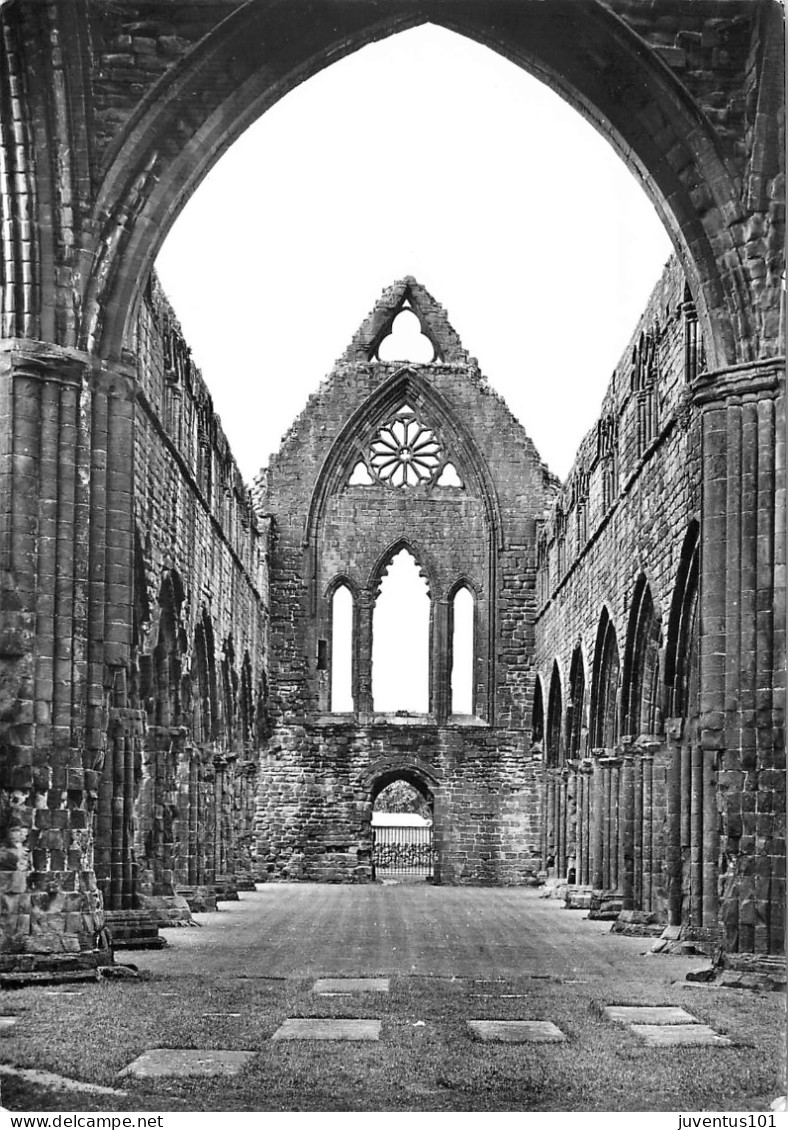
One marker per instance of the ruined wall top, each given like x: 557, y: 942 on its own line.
x: 648, y: 395
x: 348, y: 398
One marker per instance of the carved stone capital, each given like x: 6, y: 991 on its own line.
x: 753, y: 379
x: 40, y: 361
x: 114, y: 378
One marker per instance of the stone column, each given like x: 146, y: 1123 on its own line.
x: 580, y: 826
x: 710, y: 903
x: 560, y: 825
x: 362, y: 666
x: 441, y: 667
x: 587, y: 777
x: 627, y: 832
x: 742, y: 649
x: 572, y: 818
x: 696, y: 835
x: 66, y: 463
x: 647, y: 769
x: 615, y: 824
x: 607, y: 869
x: 637, y: 831
x: 551, y: 829
x: 597, y: 822
x: 543, y: 823
x: 675, y: 808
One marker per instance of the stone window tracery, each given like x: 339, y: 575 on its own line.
x: 405, y: 451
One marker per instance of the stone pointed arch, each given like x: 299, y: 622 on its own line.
x: 405, y: 384
x: 641, y: 706
x: 417, y: 772
x: 554, y: 738
x: 538, y: 714
x: 681, y: 648
x: 594, y: 58
x: 401, y: 625
x: 427, y: 568
x: 576, y: 705
x: 604, y: 687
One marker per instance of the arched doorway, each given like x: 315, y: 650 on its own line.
x: 402, y: 824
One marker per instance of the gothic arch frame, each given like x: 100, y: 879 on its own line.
x: 538, y: 701
x: 428, y: 572
x: 404, y: 384
x: 188, y: 119
x: 337, y: 581
x: 641, y: 657
x: 410, y: 385
x: 576, y: 717
x: 554, y: 720
x: 427, y: 567
x: 684, y: 610
x: 460, y: 585
x: 602, y: 713
x: 423, y: 782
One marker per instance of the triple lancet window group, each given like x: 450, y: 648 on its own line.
x: 401, y: 646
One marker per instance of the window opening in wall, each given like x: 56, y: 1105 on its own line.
x: 575, y: 706
x: 405, y: 341
x: 341, y: 651
x: 400, y: 639
x: 322, y: 655
x: 462, y: 653
x: 605, y: 686
x: 405, y: 452
x: 537, y: 718
x: 360, y: 476
x: 449, y: 477
x: 554, y: 743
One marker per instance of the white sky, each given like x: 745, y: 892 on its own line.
x: 428, y: 155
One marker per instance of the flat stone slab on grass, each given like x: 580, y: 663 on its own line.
x: 328, y: 1030
x: 57, y: 1082
x: 648, y: 1014
x: 186, y: 1061
x: 672, y: 1035
x: 351, y: 985
x: 7, y: 1022
x: 516, y: 1031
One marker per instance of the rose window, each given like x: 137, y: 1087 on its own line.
x: 404, y: 452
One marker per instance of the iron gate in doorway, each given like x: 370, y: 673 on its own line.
x: 402, y: 852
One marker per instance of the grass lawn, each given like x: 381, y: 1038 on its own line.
x: 95, y: 1030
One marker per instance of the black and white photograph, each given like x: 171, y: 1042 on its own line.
x: 392, y: 561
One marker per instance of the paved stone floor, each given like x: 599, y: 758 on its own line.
x: 287, y: 929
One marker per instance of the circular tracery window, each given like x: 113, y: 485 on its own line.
x: 405, y: 452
